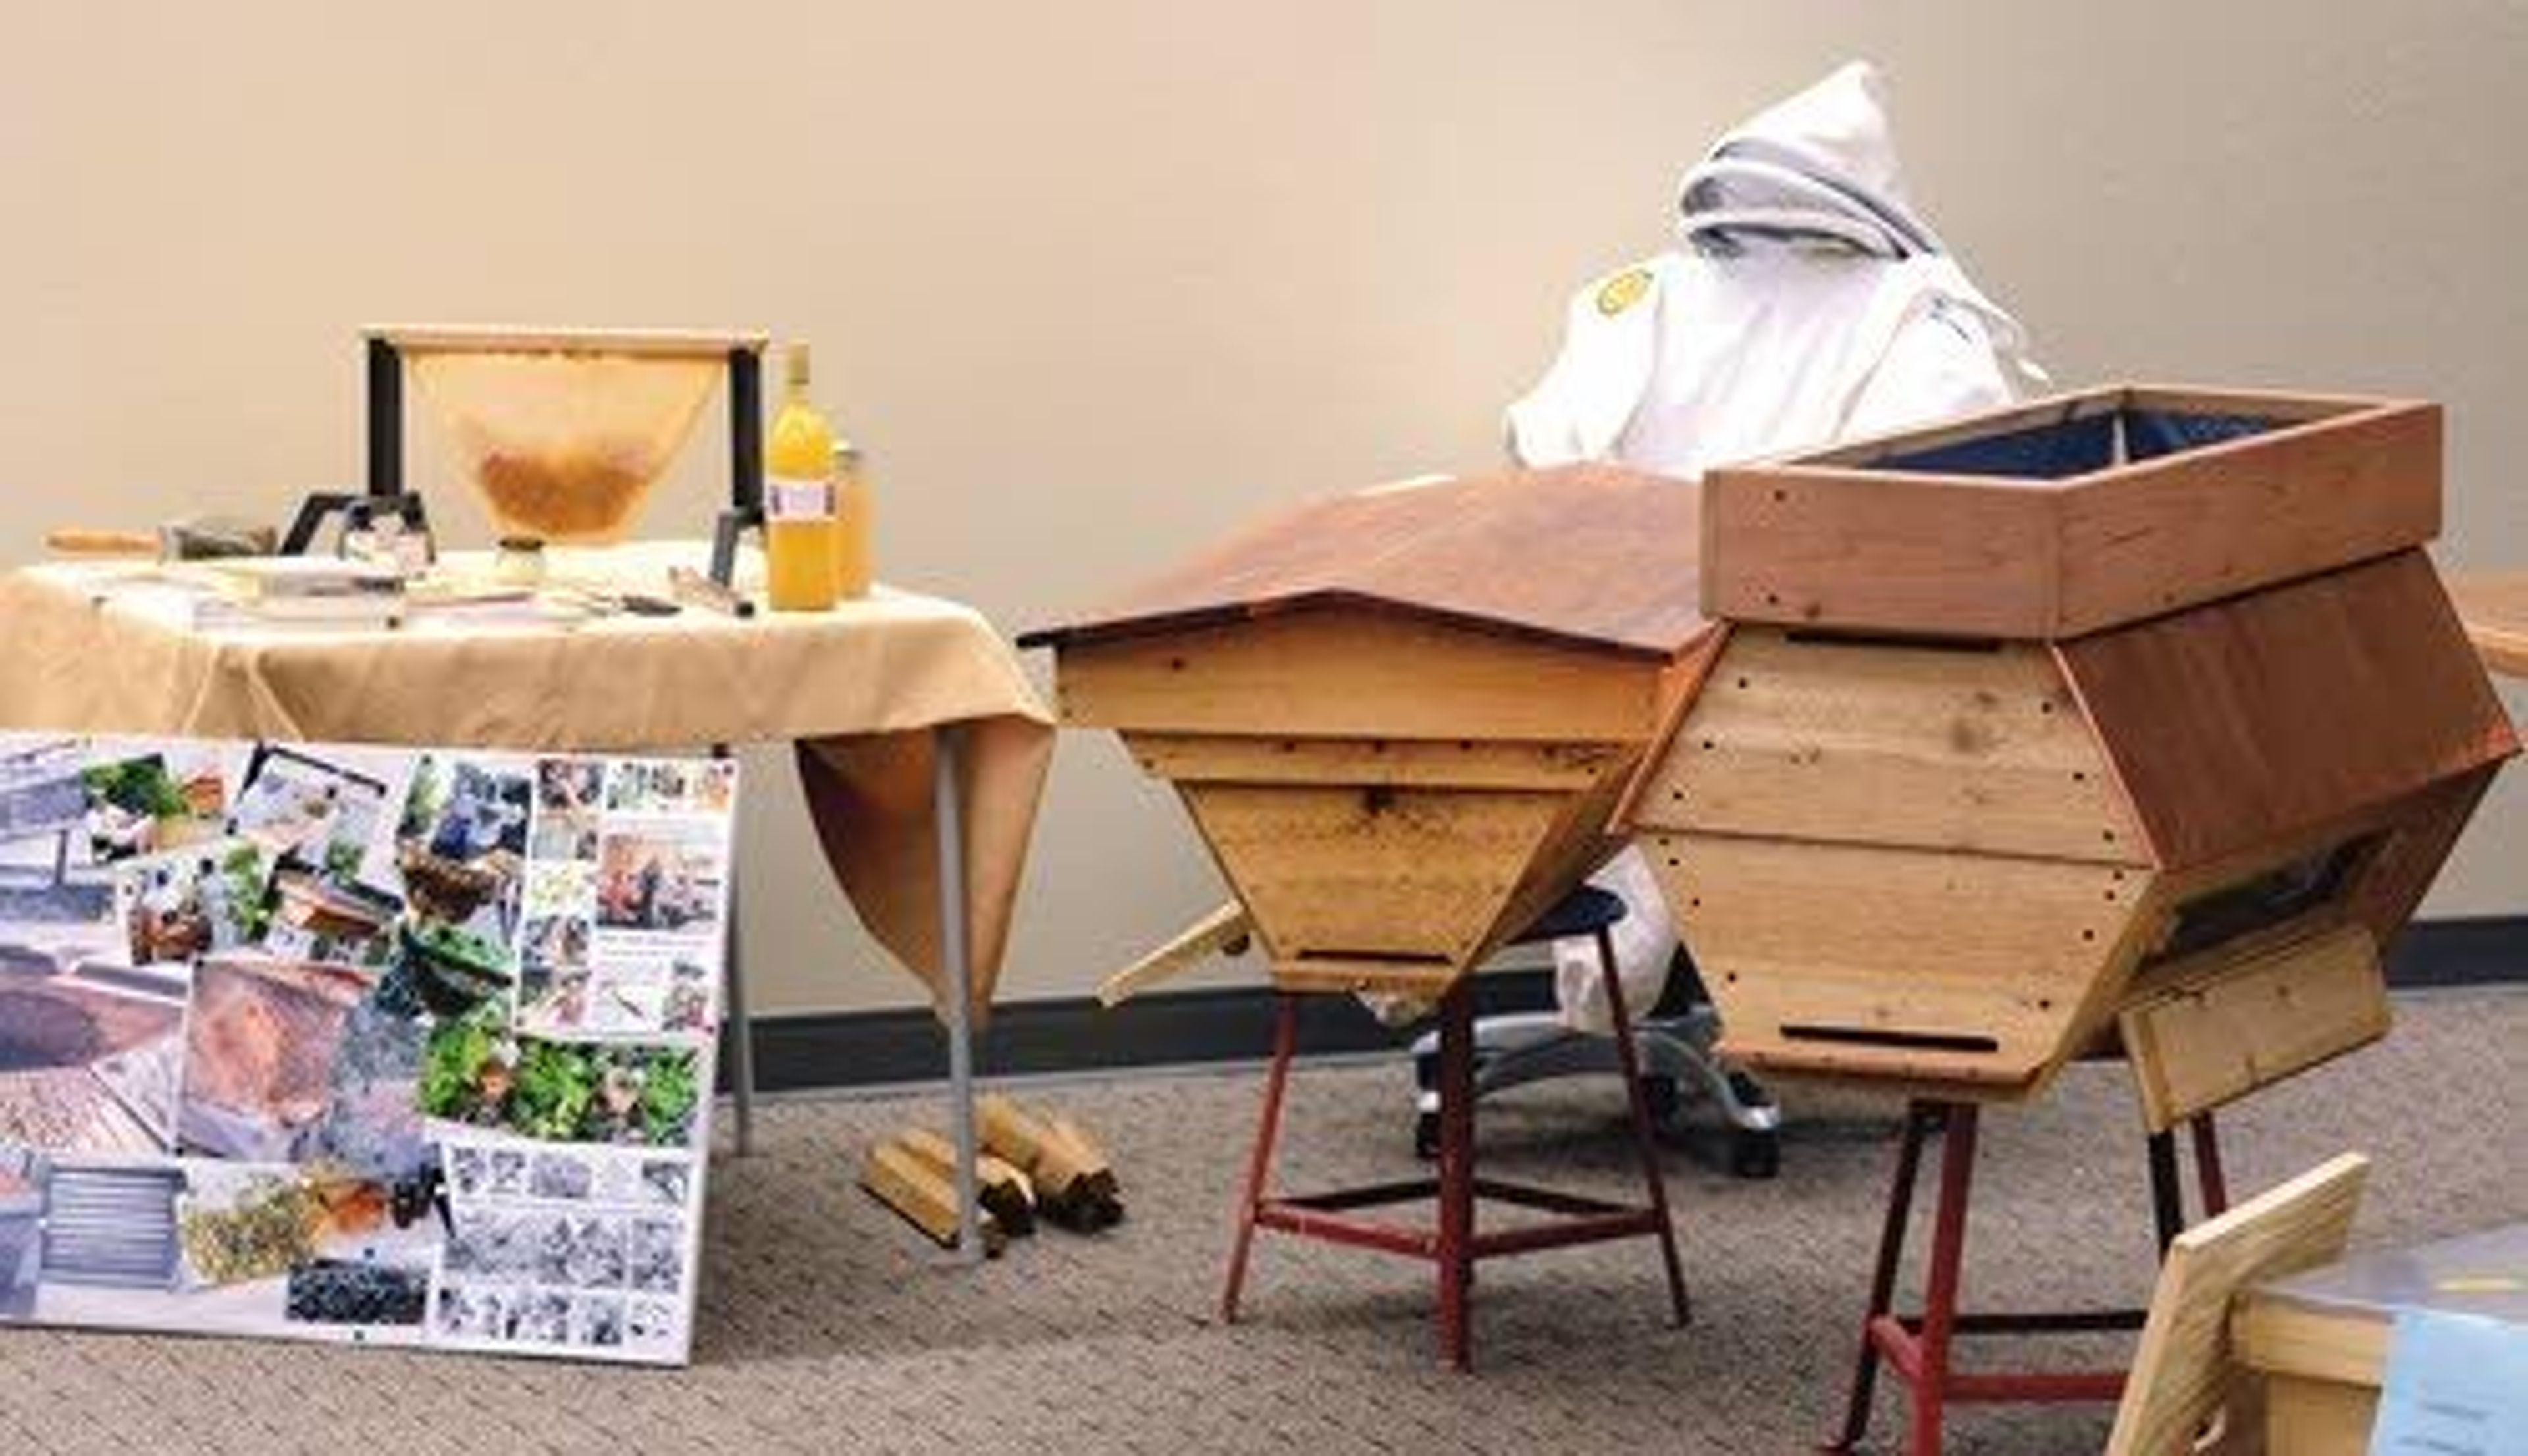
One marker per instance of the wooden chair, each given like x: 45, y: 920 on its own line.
x: 2185, y: 1394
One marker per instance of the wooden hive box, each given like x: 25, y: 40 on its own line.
x: 1401, y: 718
x: 2138, y: 709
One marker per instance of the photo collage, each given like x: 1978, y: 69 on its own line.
x: 381, y: 1045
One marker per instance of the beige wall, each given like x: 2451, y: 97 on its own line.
x: 1095, y: 280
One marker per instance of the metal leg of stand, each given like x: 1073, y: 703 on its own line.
x: 2167, y: 1199
x: 948, y: 809
x: 741, y: 1026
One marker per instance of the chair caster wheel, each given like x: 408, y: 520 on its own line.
x: 1426, y: 1135
x: 1754, y: 1155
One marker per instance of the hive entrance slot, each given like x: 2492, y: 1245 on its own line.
x: 2286, y: 894
x: 1917, y: 641
x: 1905, y: 1041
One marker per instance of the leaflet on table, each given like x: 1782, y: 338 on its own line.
x: 2454, y: 1385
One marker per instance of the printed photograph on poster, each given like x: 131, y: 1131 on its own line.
x: 624, y: 994
x: 56, y: 907
x: 553, y: 974
x: 303, y: 808
x: 89, y: 1057
x: 307, y: 1248
x: 570, y: 797
x: 477, y: 1071
x: 535, y: 1275
x: 660, y: 879
x: 199, y: 901
x: 153, y: 803
x: 259, y: 1056
x: 632, y: 1179
x: 22, y: 1231
x: 461, y: 843
x: 317, y: 917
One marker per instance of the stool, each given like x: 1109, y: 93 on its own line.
x: 1455, y: 1244
x: 1918, y: 1347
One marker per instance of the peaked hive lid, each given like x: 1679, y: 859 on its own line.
x: 1590, y: 556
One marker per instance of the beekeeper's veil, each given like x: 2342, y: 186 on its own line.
x: 1806, y: 300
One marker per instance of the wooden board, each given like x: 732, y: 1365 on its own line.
x: 2227, y: 1031
x: 2236, y: 723
x: 2280, y: 1335
x: 1843, y: 538
x: 1413, y: 875
x: 1957, y: 748
x: 2494, y: 606
x: 1226, y: 925
x: 2318, y: 1417
x: 2221, y: 519
x: 2426, y: 829
x: 2181, y: 1371
x: 1910, y: 964
x: 1585, y: 555
x: 1349, y: 673
x: 501, y: 339
x: 1837, y: 547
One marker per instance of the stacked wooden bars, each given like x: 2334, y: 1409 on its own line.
x: 1401, y: 718
x: 2138, y: 709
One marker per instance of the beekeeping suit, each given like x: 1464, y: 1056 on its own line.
x: 1803, y: 303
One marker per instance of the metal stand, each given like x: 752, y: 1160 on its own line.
x: 1919, y: 1347
x: 947, y: 807
x: 741, y: 1025
x: 1453, y: 1245
x: 384, y: 394
x: 947, y: 798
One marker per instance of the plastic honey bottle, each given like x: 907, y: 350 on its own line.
x: 802, y: 536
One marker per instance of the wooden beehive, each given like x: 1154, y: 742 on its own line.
x: 2135, y: 710
x: 1401, y: 718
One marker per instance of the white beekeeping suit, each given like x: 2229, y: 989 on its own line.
x: 1804, y: 303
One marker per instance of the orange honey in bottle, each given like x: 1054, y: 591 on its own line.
x: 803, y: 539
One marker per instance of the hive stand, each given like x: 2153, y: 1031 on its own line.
x: 2130, y: 719
x: 1453, y: 1244
x: 1401, y: 720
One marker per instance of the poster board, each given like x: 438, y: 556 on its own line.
x: 358, y: 1044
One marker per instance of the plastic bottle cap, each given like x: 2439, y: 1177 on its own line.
x: 795, y: 365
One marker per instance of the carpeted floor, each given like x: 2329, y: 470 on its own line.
x: 829, y: 1327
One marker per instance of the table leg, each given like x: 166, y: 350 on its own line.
x: 947, y: 807
x: 741, y: 1026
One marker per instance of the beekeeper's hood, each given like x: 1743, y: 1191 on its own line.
x: 1817, y: 167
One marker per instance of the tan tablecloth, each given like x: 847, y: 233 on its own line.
x: 857, y: 689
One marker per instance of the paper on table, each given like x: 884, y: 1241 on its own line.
x: 2455, y: 1385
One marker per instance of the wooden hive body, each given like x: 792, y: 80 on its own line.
x: 1400, y: 730
x: 1953, y: 859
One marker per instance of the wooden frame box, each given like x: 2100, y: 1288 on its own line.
x: 1402, y: 718
x: 1950, y: 827
x: 2072, y: 514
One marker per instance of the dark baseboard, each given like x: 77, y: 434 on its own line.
x: 863, y: 1049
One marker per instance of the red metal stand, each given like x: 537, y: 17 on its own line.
x: 1453, y: 1244
x: 1919, y: 1347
